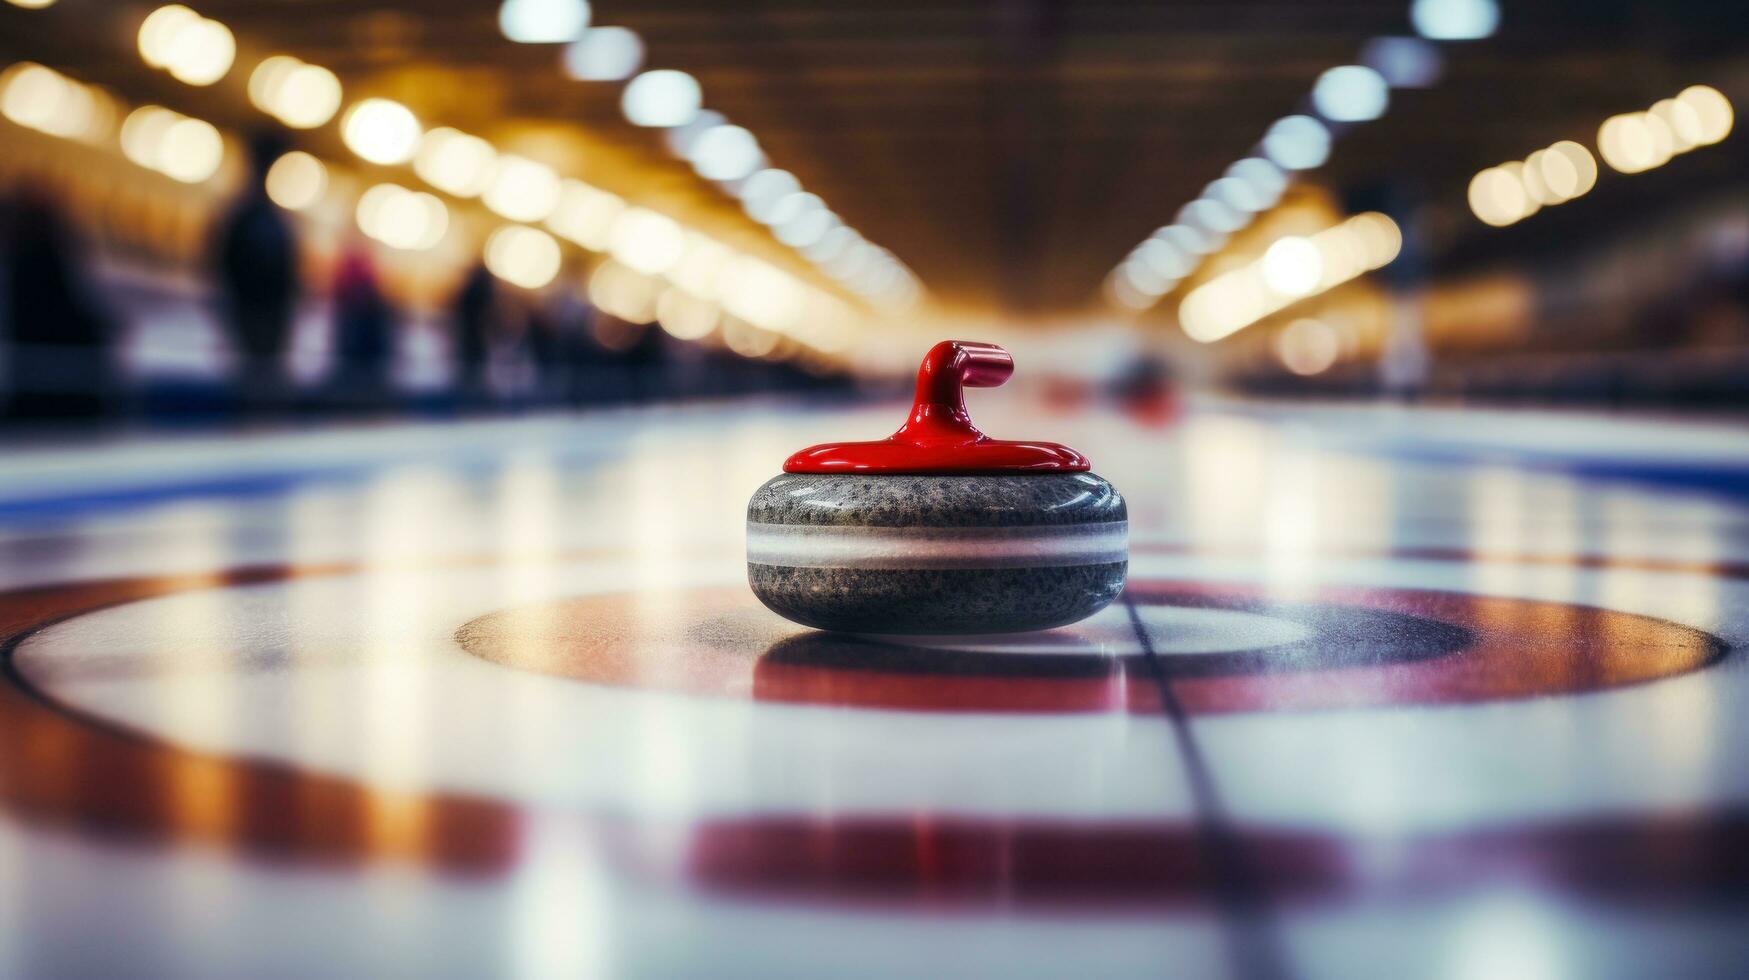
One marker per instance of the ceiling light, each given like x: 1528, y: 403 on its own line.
x: 1454, y: 20
x: 307, y: 97
x: 1144, y: 278
x: 790, y: 207
x: 1165, y: 260
x: 455, y: 162
x: 586, y: 215
x: 1238, y: 195
x: 190, y: 151
x: 1405, y: 62
x: 1265, y: 177
x: 523, y: 256
x: 1307, y: 347
x: 543, y: 21
x: 1351, y: 93
x: 646, y: 241
x: 1297, y: 143
x: 724, y: 153
x: 1211, y: 216
x: 832, y: 244
x: 661, y: 99
x: 296, y: 181
x: 1292, y: 266
x: 192, y: 48
x: 763, y: 194
x: 604, y: 54
x: 381, y: 131
x: 522, y: 189
x: 806, y: 228
x: 1192, y: 241
x: 1712, y: 112
x: 402, y: 218
x: 700, y: 263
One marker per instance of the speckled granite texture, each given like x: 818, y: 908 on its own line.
x: 1009, y: 500
x: 958, y: 600
x: 1052, y: 550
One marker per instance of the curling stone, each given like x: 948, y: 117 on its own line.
x: 938, y: 528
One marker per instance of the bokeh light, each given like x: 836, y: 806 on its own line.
x: 143, y: 130
x: 585, y: 215
x: 1193, y: 241
x: 791, y: 207
x: 401, y: 218
x: 1712, y: 112
x: 381, y: 131
x: 749, y: 340
x: 300, y: 95
x: 760, y: 293
x: 1265, y: 179
x: 661, y: 98
x: 685, y: 316
x: 1143, y: 278
x: 1121, y: 291
x: 1515, y: 190
x: 646, y: 241
x: 832, y: 244
x: 605, y: 54
x: 1351, y: 93
x: 1635, y: 142
x: 193, y: 49
x: 1244, y: 295
x: 1569, y: 170
x: 40, y: 98
x: 1403, y: 62
x: 181, y: 148
x: 1164, y: 260
x: 296, y: 181
x: 1297, y: 143
x: 774, y: 198
x: 523, y: 256
x: 724, y: 153
x: 1682, y: 122
x: 1211, y: 216
x: 455, y: 162
x: 522, y: 189
x: 701, y: 263
x: 543, y: 21
x: 806, y: 228
x: 1498, y: 198
x: 1307, y: 347
x: 190, y: 151
x: 679, y: 138
x: 1292, y: 266
x: 1454, y: 20
x: 623, y: 292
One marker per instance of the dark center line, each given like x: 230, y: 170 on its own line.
x: 1251, y: 932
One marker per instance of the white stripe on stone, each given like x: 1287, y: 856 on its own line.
x: 858, y: 546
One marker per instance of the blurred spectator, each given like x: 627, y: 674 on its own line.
x: 572, y: 317
x: 364, y: 332
x: 1146, y: 391
x: 544, y: 353
x: 59, y: 357
x: 256, y: 268
x: 643, y: 360
x: 476, y: 325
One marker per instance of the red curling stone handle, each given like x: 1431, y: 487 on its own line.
x: 938, y: 436
x: 951, y: 366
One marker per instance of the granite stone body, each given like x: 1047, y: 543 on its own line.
x: 927, y: 553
